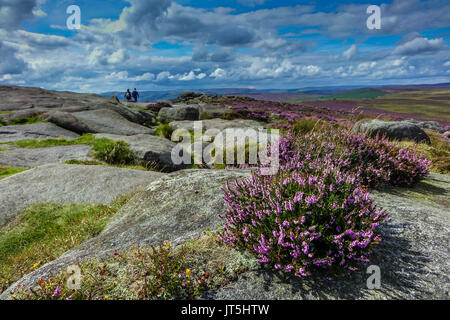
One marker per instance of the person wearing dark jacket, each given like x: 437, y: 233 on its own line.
x: 128, y: 95
x: 135, y: 95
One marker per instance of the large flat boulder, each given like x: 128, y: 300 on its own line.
x: 136, y: 116
x: 394, y: 130
x: 61, y: 183
x: 38, y: 131
x: 177, y: 207
x: 413, y: 256
x: 109, y: 121
x: 21, y: 157
x: 20, y: 98
x: 151, y: 149
x: 178, y: 113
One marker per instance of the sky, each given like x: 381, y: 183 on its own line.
x: 188, y: 44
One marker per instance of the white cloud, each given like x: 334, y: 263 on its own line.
x: 419, y: 45
x: 218, y: 74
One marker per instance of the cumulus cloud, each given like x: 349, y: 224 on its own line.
x: 9, y: 63
x: 14, y: 12
x: 419, y: 45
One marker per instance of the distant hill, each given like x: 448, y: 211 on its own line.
x: 302, y: 94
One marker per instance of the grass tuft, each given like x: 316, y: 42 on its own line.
x: 6, y: 171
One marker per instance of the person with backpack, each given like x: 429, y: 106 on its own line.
x: 128, y: 95
x: 135, y: 95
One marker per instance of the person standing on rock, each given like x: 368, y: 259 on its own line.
x: 128, y: 95
x: 135, y: 95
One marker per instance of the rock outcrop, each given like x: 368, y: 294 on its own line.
x: 430, y: 125
x: 178, y: 113
x: 21, y: 98
x: 394, y: 130
x: 176, y: 207
x: 108, y: 121
x: 61, y: 183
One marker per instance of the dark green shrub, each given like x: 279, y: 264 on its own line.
x: 113, y: 152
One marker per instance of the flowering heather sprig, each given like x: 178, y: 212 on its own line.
x: 307, y: 216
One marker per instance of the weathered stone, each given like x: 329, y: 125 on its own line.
x: 108, y: 121
x: 136, y: 116
x: 430, y: 125
x: 67, y: 121
x: 178, y: 113
x: 61, y: 183
x: 19, y: 98
x: 178, y: 207
x: 20, y: 157
x: 394, y: 130
x: 35, y: 131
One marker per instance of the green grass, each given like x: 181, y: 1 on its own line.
x: 45, y: 231
x: 6, y: 171
x: 24, y: 120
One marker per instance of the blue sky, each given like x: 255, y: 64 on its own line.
x: 188, y: 44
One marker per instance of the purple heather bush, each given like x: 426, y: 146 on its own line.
x: 316, y: 211
x: 374, y: 161
x: 309, y: 215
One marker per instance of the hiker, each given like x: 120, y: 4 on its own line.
x: 135, y: 95
x: 128, y: 95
